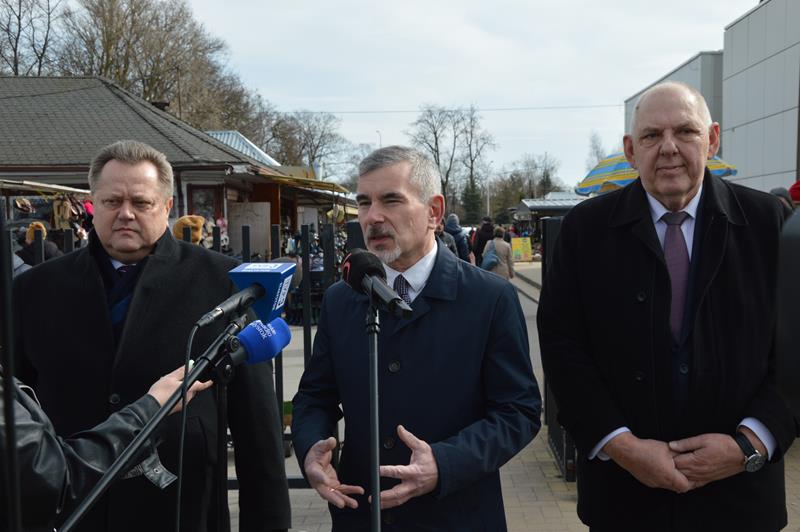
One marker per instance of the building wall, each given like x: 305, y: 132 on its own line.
x: 703, y: 72
x: 761, y: 93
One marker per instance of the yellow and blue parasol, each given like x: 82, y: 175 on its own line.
x: 615, y: 172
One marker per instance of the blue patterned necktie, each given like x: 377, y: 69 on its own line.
x: 676, y: 255
x: 401, y: 287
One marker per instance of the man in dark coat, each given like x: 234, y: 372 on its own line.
x: 454, y: 407
x: 119, y: 315
x: 657, y: 337
x: 484, y: 234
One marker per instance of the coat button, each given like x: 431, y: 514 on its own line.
x: 394, y: 366
x: 683, y: 368
x: 114, y: 399
x: 641, y: 297
x: 388, y: 442
x: 638, y: 376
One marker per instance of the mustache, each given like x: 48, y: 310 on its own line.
x: 374, y: 231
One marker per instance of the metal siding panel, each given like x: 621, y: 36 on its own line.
x: 757, y: 39
x: 727, y: 55
x: 755, y: 92
x: 776, y: 26
x: 792, y: 22
x: 773, y: 144
x: 775, y: 84
x: 790, y: 141
x: 739, y: 46
x: 755, y: 148
x: 792, y: 76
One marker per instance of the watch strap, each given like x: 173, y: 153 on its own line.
x: 744, y: 444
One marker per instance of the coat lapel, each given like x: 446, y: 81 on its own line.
x: 156, y: 274
x: 720, y: 209
x: 442, y: 284
x: 632, y: 209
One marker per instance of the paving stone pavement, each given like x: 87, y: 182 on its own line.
x: 537, y: 499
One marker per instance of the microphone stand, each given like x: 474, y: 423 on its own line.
x: 217, y: 360
x: 373, y: 328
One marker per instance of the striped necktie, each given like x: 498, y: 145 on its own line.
x: 401, y: 287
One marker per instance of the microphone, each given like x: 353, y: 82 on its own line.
x: 364, y: 273
x: 238, y: 303
x: 262, y: 285
x: 259, y: 342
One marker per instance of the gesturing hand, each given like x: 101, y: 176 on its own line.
x: 417, y: 478
x: 708, y: 457
x: 649, y: 461
x: 322, y: 476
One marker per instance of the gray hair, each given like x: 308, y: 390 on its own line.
x: 700, y: 101
x: 132, y: 152
x: 424, y: 176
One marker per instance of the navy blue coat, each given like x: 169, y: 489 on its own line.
x: 457, y: 374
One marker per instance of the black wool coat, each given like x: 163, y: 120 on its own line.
x: 68, y: 354
x: 606, y: 348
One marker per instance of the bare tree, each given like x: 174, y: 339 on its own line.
x: 548, y: 182
x: 476, y: 142
x: 26, y: 35
x: 597, y: 151
x: 438, y: 132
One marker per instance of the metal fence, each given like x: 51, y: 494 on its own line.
x: 560, y: 441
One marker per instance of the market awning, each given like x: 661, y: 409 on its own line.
x: 303, y: 182
x: 21, y: 188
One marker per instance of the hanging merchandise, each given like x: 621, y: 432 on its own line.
x: 61, y: 213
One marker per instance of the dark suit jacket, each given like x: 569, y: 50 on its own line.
x: 457, y: 374
x: 67, y: 353
x: 606, y: 347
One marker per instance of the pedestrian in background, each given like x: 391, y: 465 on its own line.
x: 505, y: 258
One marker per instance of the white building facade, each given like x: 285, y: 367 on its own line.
x: 703, y: 72
x: 761, y: 94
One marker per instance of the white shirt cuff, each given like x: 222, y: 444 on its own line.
x: 762, y: 432
x: 596, y: 452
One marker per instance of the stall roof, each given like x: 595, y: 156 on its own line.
x: 21, y: 188
x: 304, y: 182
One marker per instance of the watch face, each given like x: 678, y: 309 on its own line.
x: 754, y: 463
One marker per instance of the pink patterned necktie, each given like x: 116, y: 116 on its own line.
x: 676, y: 256
x: 125, y: 268
x: 401, y: 287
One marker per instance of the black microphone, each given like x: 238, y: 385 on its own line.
x: 364, y: 273
x: 237, y: 303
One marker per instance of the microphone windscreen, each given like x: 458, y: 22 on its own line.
x: 264, y: 341
x: 275, y: 277
x: 359, y: 263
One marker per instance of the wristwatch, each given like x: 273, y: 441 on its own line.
x: 753, y: 461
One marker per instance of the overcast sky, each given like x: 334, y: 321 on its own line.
x: 346, y: 55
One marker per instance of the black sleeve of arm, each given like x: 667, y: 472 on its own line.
x: 55, y: 474
x: 585, y: 406
x: 315, y: 409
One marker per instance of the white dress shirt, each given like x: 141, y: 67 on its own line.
x: 417, y: 275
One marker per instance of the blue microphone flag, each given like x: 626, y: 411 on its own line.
x: 263, y: 341
x: 275, y: 277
